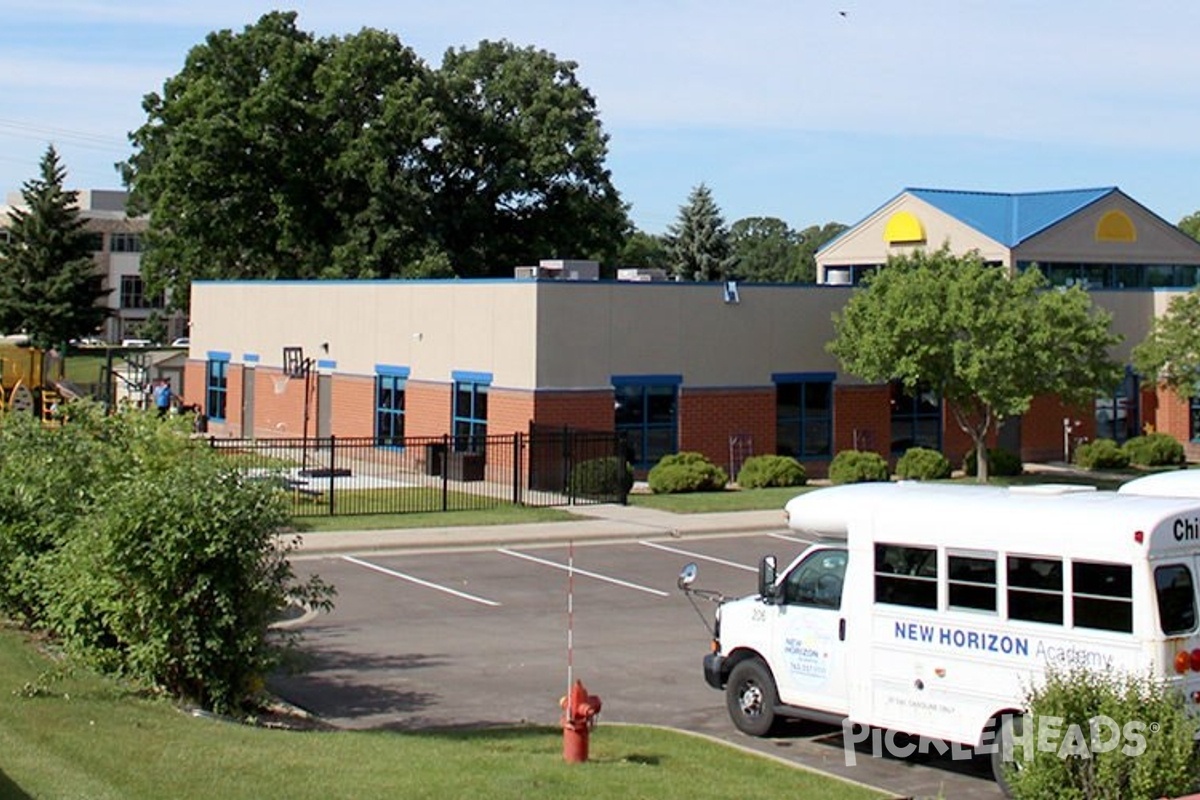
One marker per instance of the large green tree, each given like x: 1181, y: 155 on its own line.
x: 276, y: 154
x: 812, y: 239
x: 1170, y: 353
x: 643, y: 249
x: 766, y: 249
x: 698, y: 245
x: 1191, y: 225
x: 987, y: 342
x: 49, y: 286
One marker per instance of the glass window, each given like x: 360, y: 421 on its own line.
x: 133, y: 294
x: 817, y: 580
x: 1035, y: 590
x: 906, y: 576
x: 389, y: 410
x: 1194, y: 419
x: 804, y: 417
x: 470, y: 415
x: 916, y: 418
x: 217, y: 386
x: 972, y: 582
x: 646, y: 416
x: 125, y: 243
x: 1102, y: 596
x: 1176, y: 599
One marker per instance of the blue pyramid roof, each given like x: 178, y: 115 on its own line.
x: 1010, y: 218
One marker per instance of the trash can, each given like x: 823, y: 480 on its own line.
x: 465, y: 466
x: 435, y: 458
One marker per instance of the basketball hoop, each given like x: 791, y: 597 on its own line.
x: 294, y: 363
x: 280, y: 382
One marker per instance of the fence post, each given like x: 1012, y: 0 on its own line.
x: 516, y: 475
x: 445, y: 456
x: 332, y: 470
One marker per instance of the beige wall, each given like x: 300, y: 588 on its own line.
x: 430, y: 327
x: 1074, y: 239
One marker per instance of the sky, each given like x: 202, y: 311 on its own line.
x: 806, y: 110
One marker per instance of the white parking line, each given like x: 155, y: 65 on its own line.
x: 393, y: 573
x: 697, y: 556
x: 583, y: 572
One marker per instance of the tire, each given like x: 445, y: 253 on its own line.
x: 750, y: 696
x: 1004, y: 760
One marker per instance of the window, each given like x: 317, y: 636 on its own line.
x: 972, y: 582
x: 216, y: 385
x: 1176, y: 599
x: 390, y: 383
x: 646, y: 410
x: 817, y: 581
x: 1117, y: 413
x: 906, y: 576
x: 804, y: 414
x: 1102, y: 596
x: 1194, y: 419
x: 916, y: 418
x: 133, y: 294
x: 124, y: 243
x: 470, y: 410
x: 1035, y: 589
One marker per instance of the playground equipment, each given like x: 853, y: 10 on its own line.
x: 31, y: 379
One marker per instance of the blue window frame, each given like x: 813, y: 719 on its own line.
x: 916, y: 418
x: 390, y: 383
x: 216, y: 386
x: 804, y: 414
x: 647, y: 415
x: 471, y: 410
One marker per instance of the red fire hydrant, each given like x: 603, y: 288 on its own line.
x: 579, y: 715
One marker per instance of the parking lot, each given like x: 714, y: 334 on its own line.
x: 484, y: 636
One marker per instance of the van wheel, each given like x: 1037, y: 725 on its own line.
x: 750, y: 696
x: 1005, y: 759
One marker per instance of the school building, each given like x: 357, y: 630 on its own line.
x: 729, y: 371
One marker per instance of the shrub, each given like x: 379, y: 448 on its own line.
x: 1161, y: 762
x: 1000, y: 462
x: 1154, y: 450
x: 858, y: 466
x: 686, y: 472
x: 760, y: 472
x: 1101, y: 454
x: 600, y: 477
x: 923, y: 464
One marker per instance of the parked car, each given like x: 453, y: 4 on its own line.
x: 136, y: 343
x: 182, y: 341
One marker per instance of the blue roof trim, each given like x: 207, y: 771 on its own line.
x: 466, y: 376
x: 250, y: 358
x: 646, y: 380
x: 389, y: 370
x: 326, y: 363
x: 1011, y: 218
x: 219, y: 355
x: 803, y: 377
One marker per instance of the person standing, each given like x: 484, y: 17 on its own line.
x: 162, y: 396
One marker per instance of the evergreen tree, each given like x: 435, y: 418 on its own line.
x: 698, y: 243
x: 49, y: 286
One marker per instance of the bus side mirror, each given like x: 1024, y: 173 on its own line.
x: 767, y: 571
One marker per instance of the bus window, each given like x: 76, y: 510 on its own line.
x: 1035, y: 589
x: 972, y: 582
x: 1176, y: 599
x: 817, y: 581
x: 1102, y: 596
x: 906, y: 576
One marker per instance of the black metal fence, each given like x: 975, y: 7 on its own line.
x: 344, y: 475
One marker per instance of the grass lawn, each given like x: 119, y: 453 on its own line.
x: 85, y: 737
x: 500, y: 515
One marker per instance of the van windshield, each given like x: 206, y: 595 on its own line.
x: 1176, y: 599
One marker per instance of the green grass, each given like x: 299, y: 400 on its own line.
x: 500, y: 515
x: 87, y: 738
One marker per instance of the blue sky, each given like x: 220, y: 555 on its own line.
x: 784, y: 108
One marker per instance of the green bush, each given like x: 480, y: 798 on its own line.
x: 1161, y: 762
x: 858, y: 466
x: 686, y: 472
x: 601, y: 477
x: 1101, y: 454
x: 1154, y: 450
x: 923, y: 464
x: 1001, y: 462
x: 760, y: 472
x: 168, y: 572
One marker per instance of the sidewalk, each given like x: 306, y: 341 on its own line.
x: 596, y: 523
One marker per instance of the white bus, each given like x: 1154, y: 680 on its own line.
x: 931, y: 609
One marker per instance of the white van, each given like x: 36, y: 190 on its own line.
x: 930, y: 609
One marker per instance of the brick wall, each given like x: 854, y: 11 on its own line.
x: 353, y: 406
x: 279, y: 404
x: 587, y: 410
x: 1042, y: 428
x: 1174, y: 417
x: 427, y: 408
x: 709, y: 417
x: 862, y: 419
